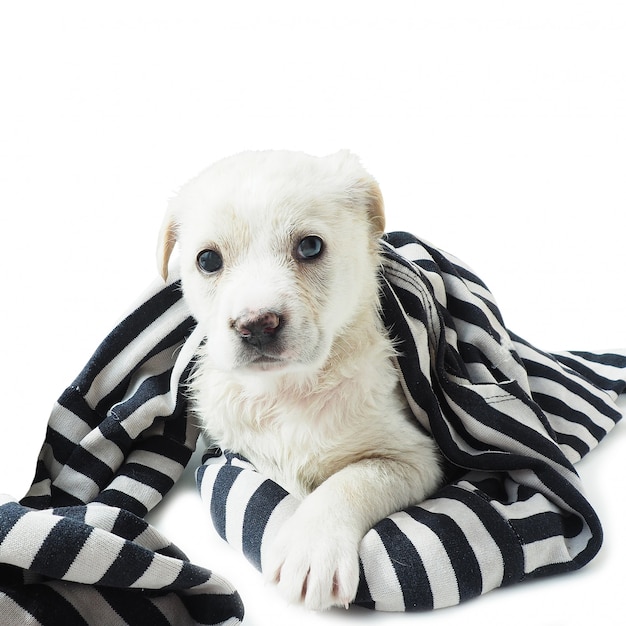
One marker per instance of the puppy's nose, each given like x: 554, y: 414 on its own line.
x: 258, y: 329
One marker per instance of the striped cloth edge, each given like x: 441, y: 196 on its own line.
x: 514, y: 417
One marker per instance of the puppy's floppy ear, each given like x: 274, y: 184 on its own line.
x: 375, y: 206
x: 166, y: 243
x: 363, y: 189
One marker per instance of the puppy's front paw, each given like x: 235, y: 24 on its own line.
x: 318, y: 566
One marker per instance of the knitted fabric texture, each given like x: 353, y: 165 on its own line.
x: 511, y: 421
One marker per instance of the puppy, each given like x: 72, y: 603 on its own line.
x: 280, y: 261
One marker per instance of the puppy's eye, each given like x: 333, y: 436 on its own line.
x: 209, y: 261
x: 310, y: 247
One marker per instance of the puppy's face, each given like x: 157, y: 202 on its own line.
x: 278, y: 255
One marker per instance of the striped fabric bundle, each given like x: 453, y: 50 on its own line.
x: 510, y: 420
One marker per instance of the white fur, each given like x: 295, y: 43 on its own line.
x: 322, y: 413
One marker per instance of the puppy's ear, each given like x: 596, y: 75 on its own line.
x: 362, y: 189
x: 166, y: 243
x: 375, y: 207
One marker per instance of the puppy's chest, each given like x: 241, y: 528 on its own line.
x: 298, y: 442
x: 290, y: 449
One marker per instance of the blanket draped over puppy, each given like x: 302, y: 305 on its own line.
x: 510, y: 420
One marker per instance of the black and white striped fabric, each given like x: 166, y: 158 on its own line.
x: 76, y: 550
x: 510, y: 420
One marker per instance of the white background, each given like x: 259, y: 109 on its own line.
x: 497, y: 131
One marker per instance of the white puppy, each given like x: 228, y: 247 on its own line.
x: 280, y: 264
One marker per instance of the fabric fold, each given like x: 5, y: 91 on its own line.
x: 76, y: 549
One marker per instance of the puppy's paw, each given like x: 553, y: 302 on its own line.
x: 318, y: 566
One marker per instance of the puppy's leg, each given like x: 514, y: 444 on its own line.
x: 314, y: 558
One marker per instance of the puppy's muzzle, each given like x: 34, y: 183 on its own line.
x: 259, y: 329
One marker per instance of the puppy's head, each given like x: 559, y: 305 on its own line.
x: 278, y: 255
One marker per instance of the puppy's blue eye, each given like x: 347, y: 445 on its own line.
x: 310, y: 247
x: 209, y: 261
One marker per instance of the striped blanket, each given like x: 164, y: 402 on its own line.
x: 511, y: 421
